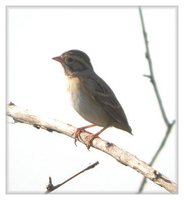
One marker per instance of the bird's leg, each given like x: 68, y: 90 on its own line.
x: 93, y: 136
x: 78, y: 131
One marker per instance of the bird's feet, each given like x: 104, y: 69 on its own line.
x: 77, y: 133
x: 89, y: 139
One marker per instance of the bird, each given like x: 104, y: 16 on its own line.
x: 91, y: 96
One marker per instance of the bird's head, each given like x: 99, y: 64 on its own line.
x: 74, y: 62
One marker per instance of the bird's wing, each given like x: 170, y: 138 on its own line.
x: 102, y: 93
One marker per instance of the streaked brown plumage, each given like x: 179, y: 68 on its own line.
x: 91, y: 97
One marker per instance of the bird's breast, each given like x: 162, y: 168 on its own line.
x: 85, y: 105
x: 75, y: 92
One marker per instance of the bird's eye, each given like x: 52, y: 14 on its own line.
x: 69, y: 60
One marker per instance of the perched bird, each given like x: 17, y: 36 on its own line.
x: 91, y: 97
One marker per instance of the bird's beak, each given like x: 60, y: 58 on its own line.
x: 57, y: 58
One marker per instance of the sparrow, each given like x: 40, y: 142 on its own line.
x: 90, y: 95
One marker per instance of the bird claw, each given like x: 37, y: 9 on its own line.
x: 89, y: 138
x: 76, y: 135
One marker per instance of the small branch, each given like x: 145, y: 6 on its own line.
x: 152, y: 79
x: 156, y: 154
x: 162, y: 143
x: 147, y: 76
x: 51, y: 187
x: 151, y: 76
x: 122, y: 156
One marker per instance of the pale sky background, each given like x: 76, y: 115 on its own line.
x: 112, y: 37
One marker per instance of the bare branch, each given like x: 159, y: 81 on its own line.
x: 122, y: 156
x: 51, y: 187
x: 151, y: 76
x: 152, y: 79
x: 156, y: 154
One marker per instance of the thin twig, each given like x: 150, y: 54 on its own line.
x: 51, y: 187
x: 152, y: 78
x: 122, y: 156
x: 156, y: 155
